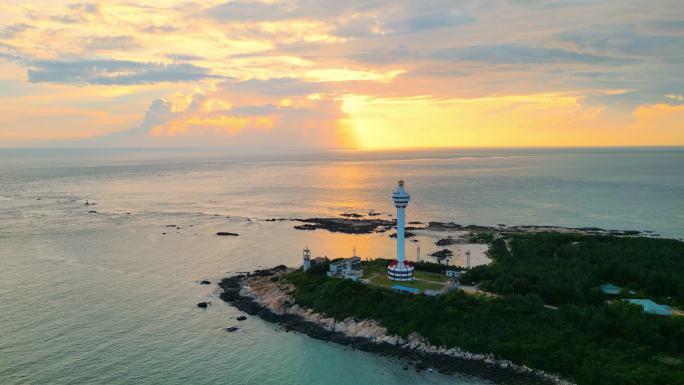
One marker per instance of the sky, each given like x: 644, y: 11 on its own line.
x: 346, y: 74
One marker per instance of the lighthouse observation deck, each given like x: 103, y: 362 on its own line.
x: 400, y: 197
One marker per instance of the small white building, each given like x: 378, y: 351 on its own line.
x: 347, y: 268
x: 453, y: 273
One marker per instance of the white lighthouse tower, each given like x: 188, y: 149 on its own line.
x: 399, y: 269
x: 307, y: 259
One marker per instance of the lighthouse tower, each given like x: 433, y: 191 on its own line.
x: 399, y: 269
x: 307, y: 259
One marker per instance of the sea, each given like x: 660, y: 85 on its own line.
x: 102, y: 250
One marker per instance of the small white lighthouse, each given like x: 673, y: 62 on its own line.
x: 399, y: 269
x: 307, y: 259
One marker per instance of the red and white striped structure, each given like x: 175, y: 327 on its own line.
x: 399, y: 269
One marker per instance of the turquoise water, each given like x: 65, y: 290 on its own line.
x: 107, y: 298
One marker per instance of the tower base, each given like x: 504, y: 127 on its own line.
x: 400, y: 271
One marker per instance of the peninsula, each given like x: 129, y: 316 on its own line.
x: 541, y: 315
x: 555, y: 306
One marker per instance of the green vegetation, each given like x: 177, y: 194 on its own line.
x: 586, y: 340
x: 481, y: 237
x: 567, y: 269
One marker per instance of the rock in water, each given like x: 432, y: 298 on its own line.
x: 407, y: 234
x: 205, y: 282
x: 241, y: 318
x: 351, y: 215
x: 203, y: 305
x: 445, y: 241
x: 225, y: 233
x: 441, y: 254
x: 231, y: 329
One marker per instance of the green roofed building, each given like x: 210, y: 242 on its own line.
x: 651, y: 307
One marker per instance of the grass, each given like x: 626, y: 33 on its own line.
x: 377, y: 275
x: 427, y: 276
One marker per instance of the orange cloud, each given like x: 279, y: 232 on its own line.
x: 223, y: 124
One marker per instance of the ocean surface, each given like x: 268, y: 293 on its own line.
x: 108, y: 298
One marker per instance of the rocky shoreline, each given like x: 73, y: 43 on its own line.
x: 261, y: 293
x: 352, y: 224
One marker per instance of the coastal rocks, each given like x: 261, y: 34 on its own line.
x: 441, y: 254
x: 268, y: 272
x: 205, y: 282
x: 441, y: 226
x: 392, y: 340
x: 203, y: 305
x: 307, y: 226
x: 272, y: 301
x: 241, y: 318
x: 407, y: 234
x: 351, y: 215
x: 346, y: 225
x: 446, y: 241
x: 502, y: 228
x: 227, y: 234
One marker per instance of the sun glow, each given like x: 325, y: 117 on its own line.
x: 520, y: 120
x: 382, y: 75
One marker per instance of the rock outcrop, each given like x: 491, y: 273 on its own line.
x: 345, y: 225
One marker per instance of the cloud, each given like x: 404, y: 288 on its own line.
x: 13, y: 30
x: 249, y: 11
x: 626, y: 40
x: 163, y: 28
x: 189, y: 117
x: 350, y: 19
x: 667, y: 25
x: 518, y: 54
x: 182, y: 57
x: 85, y: 7
x: 429, y: 21
x: 107, y: 43
x: 380, y: 24
x: 113, y: 72
x: 557, y: 4
x: 272, y: 87
x: 675, y: 97
x: 66, y: 19
x: 488, y: 54
x: 290, y: 61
